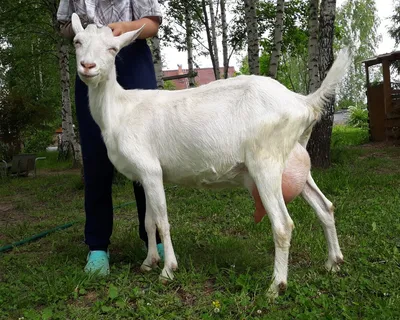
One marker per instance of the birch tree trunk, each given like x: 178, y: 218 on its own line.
x: 209, y: 37
x: 313, y: 68
x: 250, y: 7
x: 224, y: 26
x: 277, y: 42
x: 189, y: 46
x: 214, y: 40
x: 157, y: 61
x: 68, y: 138
x: 319, y: 144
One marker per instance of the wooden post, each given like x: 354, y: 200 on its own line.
x: 368, y: 101
x: 387, y: 90
x: 367, y: 74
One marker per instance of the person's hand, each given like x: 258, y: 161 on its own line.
x: 150, y: 29
x: 118, y: 28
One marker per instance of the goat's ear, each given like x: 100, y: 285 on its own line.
x: 76, y: 23
x: 128, y: 37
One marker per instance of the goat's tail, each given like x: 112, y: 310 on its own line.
x: 327, y: 89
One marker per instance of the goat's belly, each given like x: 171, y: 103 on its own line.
x: 209, y: 177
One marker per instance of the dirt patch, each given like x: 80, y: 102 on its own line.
x: 300, y: 259
x: 84, y: 301
x: 381, y: 144
x: 209, y: 287
x: 187, y: 298
x: 50, y: 172
x: 9, y: 216
x: 5, y: 207
x: 383, y: 150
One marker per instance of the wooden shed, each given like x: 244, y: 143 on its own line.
x: 383, y: 100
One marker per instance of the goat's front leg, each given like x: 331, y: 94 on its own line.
x: 324, y: 210
x: 267, y: 176
x: 156, y: 202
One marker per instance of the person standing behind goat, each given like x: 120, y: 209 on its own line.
x: 135, y: 70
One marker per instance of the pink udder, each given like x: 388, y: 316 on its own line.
x: 293, y: 180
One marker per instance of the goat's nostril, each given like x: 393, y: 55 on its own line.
x: 88, y: 65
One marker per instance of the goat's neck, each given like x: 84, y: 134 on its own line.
x: 103, y: 101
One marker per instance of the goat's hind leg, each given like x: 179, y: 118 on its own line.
x: 267, y: 176
x: 324, y: 210
x: 153, y: 258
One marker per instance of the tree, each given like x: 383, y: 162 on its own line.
x: 29, y: 75
x: 214, y: 39
x: 319, y: 144
x: 277, y: 42
x: 224, y: 27
x: 394, y: 29
x: 157, y: 61
x: 189, y: 46
x: 357, y: 25
x: 250, y: 7
x: 209, y: 39
x: 36, y: 51
x: 185, y: 21
x: 313, y: 69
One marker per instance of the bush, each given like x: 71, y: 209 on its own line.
x: 348, y: 136
x: 169, y: 85
x: 358, y: 117
x: 4, y: 151
x: 38, y: 141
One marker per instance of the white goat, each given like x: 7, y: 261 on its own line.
x: 238, y: 131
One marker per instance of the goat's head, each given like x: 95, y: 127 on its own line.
x: 96, y: 49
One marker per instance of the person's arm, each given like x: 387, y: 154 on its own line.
x: 145, y: 12
x: 66, y: 30
x: 150, y: 30
x: 64, y: 12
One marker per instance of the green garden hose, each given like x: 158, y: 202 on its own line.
x: 45, y: 233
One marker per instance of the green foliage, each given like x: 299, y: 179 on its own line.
x: 292, y: 70
x: 358, y: 116
x: 38, y: 141
x: 357, y: 24
x: 244, y: 68
x: 169, y: 85
x: 5, y: 153
x: 394, y: 30
x: 264, y: 62
x: 29, y: 76
x: 53, y: 163
x: 344, y: 136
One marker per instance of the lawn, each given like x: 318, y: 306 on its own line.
x: 225, y: 260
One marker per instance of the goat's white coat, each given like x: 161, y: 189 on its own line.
x: 237, y: 131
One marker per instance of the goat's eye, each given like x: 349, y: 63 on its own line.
x: 113, y: 50
x: 77, y: 43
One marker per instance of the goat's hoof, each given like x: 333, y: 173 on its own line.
x: 282, y: 288
x: 333, y: 265
x: 145, y: 268
x: 174, y: 266
x: 166, y: 276
x: 276, y: 290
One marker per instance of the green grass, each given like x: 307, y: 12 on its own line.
x: 225, y: 260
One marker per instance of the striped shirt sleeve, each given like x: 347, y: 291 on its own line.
x: 65, y: 10
x: 146, y: 8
